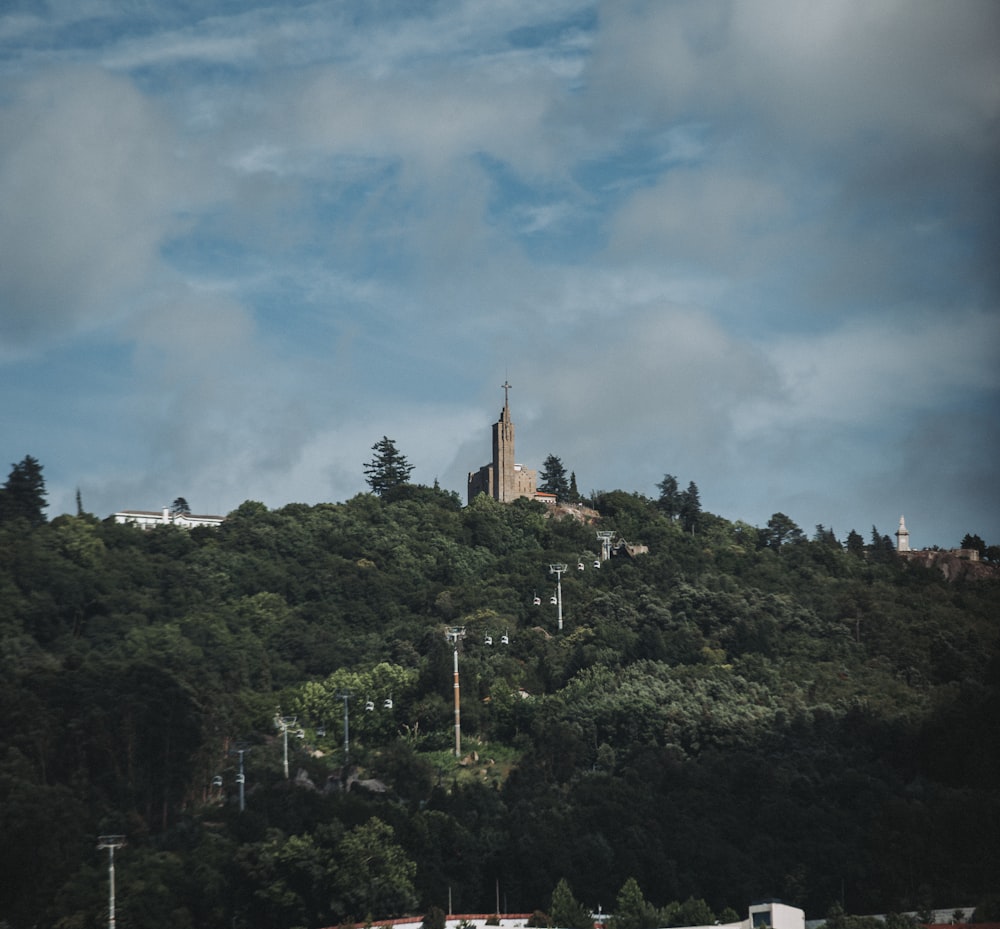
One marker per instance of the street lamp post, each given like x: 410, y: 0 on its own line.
x: 557, y: 570
x: 111, y: 842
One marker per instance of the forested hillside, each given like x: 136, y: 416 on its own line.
x: 740, y: 713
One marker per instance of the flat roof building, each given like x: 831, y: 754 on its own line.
x: 150, y: 519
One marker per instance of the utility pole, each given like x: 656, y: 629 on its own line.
x: 455, y: 635
x: 345, y: 696
x: 111, y: 842
x: 284, y: 723
x: 241, y: 779
x: 557, y: 570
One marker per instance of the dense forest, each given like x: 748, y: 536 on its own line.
x: 739, y: 713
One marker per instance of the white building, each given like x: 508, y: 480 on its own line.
x: 902, y: 537
x: 774, y: 914
x: 767, y: 913
x: 770, y: 913
x: 150, y: 519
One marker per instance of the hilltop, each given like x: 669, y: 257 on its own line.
x: 738, y: 713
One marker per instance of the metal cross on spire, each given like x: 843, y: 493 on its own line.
x: 506, y: 385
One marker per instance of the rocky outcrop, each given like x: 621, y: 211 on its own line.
x: 953, y: 566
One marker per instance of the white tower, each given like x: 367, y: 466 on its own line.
x: 902, y: 537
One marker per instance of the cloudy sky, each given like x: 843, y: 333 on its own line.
x: 754, y: 244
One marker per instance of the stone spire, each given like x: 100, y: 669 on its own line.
x: 503, y: 452
x: 503, y: 479
x: 902, y: 537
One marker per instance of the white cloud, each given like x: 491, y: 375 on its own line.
x: 869, y: 372
x: 657, y: 387
x: 90, y: 190
x: 429, y: 435
x: 692, y: 233
x: 15, y: 25
x: 184, y: 47
x: 819, y: 73
x: 717, y: 217
x: 429, y: 121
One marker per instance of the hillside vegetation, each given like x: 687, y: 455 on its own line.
x: 734, y: 715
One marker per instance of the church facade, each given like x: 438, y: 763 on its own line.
x: 503, y: 478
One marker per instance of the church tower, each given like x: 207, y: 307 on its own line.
x: 503, y: 452
x: 503, y: 479
x: 902, y: 537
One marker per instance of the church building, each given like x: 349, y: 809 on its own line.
x: 503, y: 479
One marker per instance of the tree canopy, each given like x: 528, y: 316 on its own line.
x: 690, y: 507
x: 742, y: 712
x: 670, y: 496
x: 388, y: 469
x: 23, y: 494
x: 553, y: 477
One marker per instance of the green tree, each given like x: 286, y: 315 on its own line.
x: 781, y: 529
x: 434, y: 918
x: 670, y: 497
x: 987, y: 909
x: 631, y: 909
x: 881, y: 548
x: 690, y: 508
x: 375, y: 876
x: 388, y: 469
x: 387, y: 686
x: 901, y: 921
x: 692, y: 912
x: 974, y: 543
x: 23, y: 495
x: 180, y: 507
x: 553, y: 476
x: 825, y: 536
x: 574, y: 492
x: 836, y: 918
x: 566, y: 912
x: 291, y: 877
x: 855, y: 544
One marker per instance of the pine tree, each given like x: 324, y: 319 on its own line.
x: 389, y: 468
x: 855, y: 544
x: 566, y: 912
x: 23, y: 496
x: 973, y: 542
x: 781, y: 529
x: 631, y: 909
x: 670, y: 497
x: 882, y: 547
x: 825, y: 536
x: 690, y: 507
x: 553, y: 477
